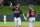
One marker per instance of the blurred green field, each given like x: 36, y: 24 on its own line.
x: 22, y: 24
x: 6, y: 10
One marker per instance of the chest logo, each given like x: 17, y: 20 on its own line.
x: 16, y: 11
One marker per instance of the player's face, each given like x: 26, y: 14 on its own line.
x: 30, y: 7
x: 17, y: 5
x: 17, y: 8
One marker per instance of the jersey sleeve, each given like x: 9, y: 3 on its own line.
x: 21, y: 12
x: 12, y: 8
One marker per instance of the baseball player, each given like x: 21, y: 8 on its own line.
x: 17, y: 13
x: 32, y: 16
x: 4, y: 19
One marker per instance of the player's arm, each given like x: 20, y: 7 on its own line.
x: 22, y: 14
x: 35, y: 15
x: 11, y: 6
x: 28, y: 14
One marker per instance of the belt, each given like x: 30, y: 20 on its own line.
x: 30, y: 17
x: 16, y: 17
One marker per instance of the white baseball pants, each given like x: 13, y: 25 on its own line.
x: 31, y: 21
x: 17, y: 21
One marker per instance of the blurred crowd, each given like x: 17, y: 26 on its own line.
x: 22, y: 2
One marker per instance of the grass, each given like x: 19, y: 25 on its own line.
x: 6, y: 10
x: 22, y: 24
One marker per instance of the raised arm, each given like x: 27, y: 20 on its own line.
x: 11, y: 6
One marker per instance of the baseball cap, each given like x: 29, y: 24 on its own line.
x: 18, y: 4
x: 30, y: 5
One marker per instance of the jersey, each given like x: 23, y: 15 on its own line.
x: 16, y: 12
x: 32, y: 13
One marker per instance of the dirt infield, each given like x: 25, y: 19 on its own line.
x: 21, y: 26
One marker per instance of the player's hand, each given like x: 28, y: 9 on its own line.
x: 10, y: 4
x: 26, y: 19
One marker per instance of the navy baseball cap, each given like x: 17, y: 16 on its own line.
x: 30, y: 5
x: 18, y: 4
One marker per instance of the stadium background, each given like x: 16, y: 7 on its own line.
x: 23, y: 6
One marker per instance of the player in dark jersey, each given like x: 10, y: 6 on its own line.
x: 17, y: 13
x: 32, y: 15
